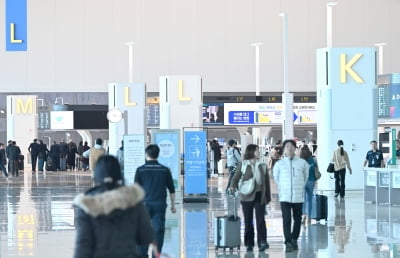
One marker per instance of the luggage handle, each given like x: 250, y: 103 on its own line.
x: 234, y: 194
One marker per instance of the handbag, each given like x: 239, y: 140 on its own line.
x: 246, y: 187
x: 331, y: 168
x: 317, y: 174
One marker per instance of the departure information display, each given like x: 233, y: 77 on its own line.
x: 267, y: 113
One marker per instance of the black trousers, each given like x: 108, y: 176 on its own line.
x: 340, y: 177
x: 287, y: 209
x: 248, y: 208
x: 34, y: 160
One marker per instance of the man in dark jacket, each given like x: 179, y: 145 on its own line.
x: 13, y: 154
x: 63, y: 155
x: 33, y: 150
x: 55, y: 155
x: 216, y: 155
x: 111, y: 219
x: 155, y: 179
x: 3, y: 160
x: 42, y: 155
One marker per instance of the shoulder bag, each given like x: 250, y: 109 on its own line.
x: 331, y: 168
x: 246, y: 187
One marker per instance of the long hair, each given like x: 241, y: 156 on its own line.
x: 305, y: 153
x: 340, y: 144
x: 249, y: 152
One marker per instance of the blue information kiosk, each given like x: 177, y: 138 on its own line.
x: 195, y: 167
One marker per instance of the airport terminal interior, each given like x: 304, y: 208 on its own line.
x: 37, y: 220
x: 159, y: 71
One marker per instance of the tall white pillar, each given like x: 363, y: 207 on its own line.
x: 329, y: 24
x: 287, y: 98
x: 22, y: 120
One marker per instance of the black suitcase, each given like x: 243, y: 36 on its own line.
x: 21, y: 162
x: 50, y: 164
x: 319, y: 207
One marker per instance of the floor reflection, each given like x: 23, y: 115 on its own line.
x: 36, y: 215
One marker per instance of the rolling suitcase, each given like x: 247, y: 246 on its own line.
x: 226, y: 233
x: 319, y: 209
x: 21, y: 162
x: 50, y: 164
x: 227, y: 228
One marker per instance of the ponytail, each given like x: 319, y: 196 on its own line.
x: 340, y: 144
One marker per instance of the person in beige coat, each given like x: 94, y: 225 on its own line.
x: 341, y: 160
x: 252, y: 167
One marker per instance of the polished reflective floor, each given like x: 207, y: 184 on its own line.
x: 37, y: 220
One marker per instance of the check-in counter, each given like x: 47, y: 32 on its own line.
x: 382, y: 185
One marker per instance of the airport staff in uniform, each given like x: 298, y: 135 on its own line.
x: 374, y: 157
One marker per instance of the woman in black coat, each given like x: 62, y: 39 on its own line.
x: 111, y: 218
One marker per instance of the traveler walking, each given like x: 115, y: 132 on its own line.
x: 306, y: 154
x: 252, y: 168
x: 63, y: 155
x: 111, y: 219
x: 232, y: 159
x: 94, y: 154
x: 42, y: 155
x: 55, y: 155
x: 216, y: 150
x: 340, y: 159
x: 291, y: 175
x: 72, y: 151
x: 13, y: 155
x: 33, y: 150
x: 3, y: 160
x: 155, y: 179
x: 85, y: 161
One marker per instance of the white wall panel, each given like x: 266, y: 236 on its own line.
x: 79, y: 45
x: 98, y: 44
x: 69, y: 45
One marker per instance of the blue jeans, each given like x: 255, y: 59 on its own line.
x: 157, y: 217
x: 3, y: 168
x: 40, y: 164
x: 308, y: 194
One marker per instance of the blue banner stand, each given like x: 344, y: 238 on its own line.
x: 195, y: 167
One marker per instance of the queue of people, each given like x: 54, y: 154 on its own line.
x: 59, y: 156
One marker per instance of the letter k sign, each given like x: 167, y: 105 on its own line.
x: 347, y: 68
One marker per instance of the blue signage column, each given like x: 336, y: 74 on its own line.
x: 195, y: 165
x: 16, y: 25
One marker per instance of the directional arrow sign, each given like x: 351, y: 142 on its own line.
x: 195, y: 138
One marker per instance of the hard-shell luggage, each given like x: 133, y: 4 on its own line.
x: 319, y: 207
x: 50, y: 164
x: 226, y: 233
x: 232, y: 204
x: 227, y: 228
